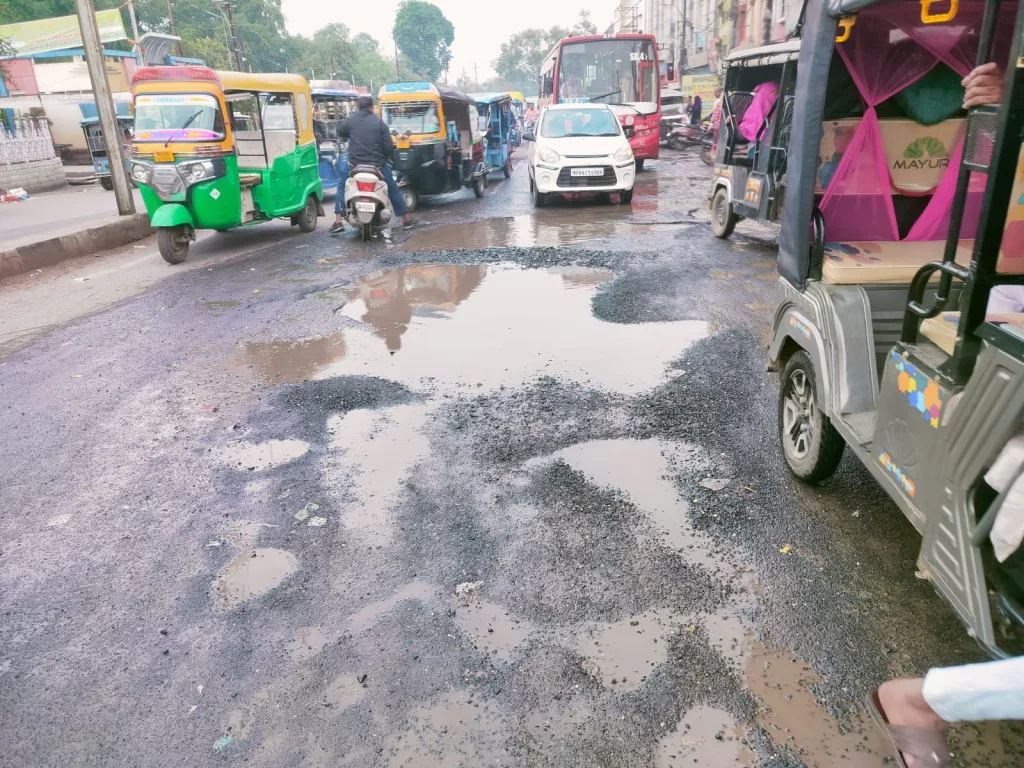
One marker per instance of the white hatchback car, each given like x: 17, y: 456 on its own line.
x: 579, y: 148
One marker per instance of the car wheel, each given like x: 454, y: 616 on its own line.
x: 811, y: 444
x: 540, y: 199
x: 626, y: 196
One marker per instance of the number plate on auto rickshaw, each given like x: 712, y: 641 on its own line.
x: 586, y: 172
x: 163, y: 157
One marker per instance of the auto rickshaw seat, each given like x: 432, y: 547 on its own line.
x: 883, y: 263
x: 941, y: 330
x: 250, y: 179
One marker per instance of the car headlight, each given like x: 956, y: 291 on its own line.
x: 196, y: 172
x: 548, y: 155
x: 142, y: 173
x: 623, y: 154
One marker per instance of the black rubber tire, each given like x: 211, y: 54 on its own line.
x: 824, y: 444
x: 308, y: 216
x: 540, y: 199
x: 107, y: 183
x: 675, y: 143
x: 412, y: 199
x: 706, y: 156
x: 626, y: 196
x: 173, y: 243
x: 507, y: 168
x: 640, y: 164
x: 480, y: 185
x: 366, y: 231
x: 723, y: 220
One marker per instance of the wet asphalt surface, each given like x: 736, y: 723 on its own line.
x: 505, y: 492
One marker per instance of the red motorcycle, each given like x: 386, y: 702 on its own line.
x: 689, y: 135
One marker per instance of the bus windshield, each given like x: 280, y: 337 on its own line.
x: 609, y: 71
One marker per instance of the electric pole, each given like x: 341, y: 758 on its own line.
x: 170, y: 18
x: 104, y: 105
x: 234, y: 38
x: 135, y: 27
x: 398, y: 62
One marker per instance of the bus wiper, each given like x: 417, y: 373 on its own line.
x: 605, y: 95
x: 186, y: 125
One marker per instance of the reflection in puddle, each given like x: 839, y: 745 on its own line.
x: 705, y: 737
x: 625, y: 652
x: 250, y: 574
x: 567, y: 226
x: 292, y: 361
x: 372, y: 452
x: 491, y: 629
x: 514, y: 326
x: 642, y: 469
x: 367, y: 616
x: 456, y: 732
x: 306, y: 642
x: 257, y: 456
x: 577, y: 276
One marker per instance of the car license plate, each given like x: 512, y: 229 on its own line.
x: 366, y: 207
x: 586, y: 172
x: 163, y: 157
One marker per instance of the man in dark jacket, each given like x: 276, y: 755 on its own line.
x: 369, y: 143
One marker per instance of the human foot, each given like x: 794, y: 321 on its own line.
x: 913, y: 727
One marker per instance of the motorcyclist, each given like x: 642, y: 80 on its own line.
x: 369, y: 143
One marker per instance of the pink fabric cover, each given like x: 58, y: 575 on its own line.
x: 858, y: 202
x: 765, y: 95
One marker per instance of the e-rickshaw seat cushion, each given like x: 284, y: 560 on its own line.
x: 941, y: 330
x: 883, y: 263
x: 250, y: 179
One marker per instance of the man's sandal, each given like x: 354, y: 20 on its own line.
x: 927, y: 746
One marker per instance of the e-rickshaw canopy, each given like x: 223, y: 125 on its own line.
x: 779, y: 53
x: 490, y: 98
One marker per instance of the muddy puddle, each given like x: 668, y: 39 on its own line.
x: 343, y: 692
x: 622, y: 655
x: 251, y: 573
x: 643, y: 471
x: 291, y: 361
x: 705, y: 737
x: 306, y: 643
x: 259, y: 456
x: 486, y: 328
x: 491, y: 629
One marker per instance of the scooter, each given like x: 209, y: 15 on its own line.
x: 367, y: 205
x: 685, y: 135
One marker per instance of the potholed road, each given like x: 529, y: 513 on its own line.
x: 503, y: 493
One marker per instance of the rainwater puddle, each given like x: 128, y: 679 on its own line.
x: 625, y: 652
x: 368, y: 615
x: 306, y: 642
x: 250, y: 574
x: 500, y: 327
x: 491, y: 629
x: 641, y: 469
x: 239, y: 721
x: 343, y: 692
x: 705, y: 737
x: 372, y: 452
x: 292, y: 361
x: 257, y: 456
x: 454, y: 732
x: 566, y: 226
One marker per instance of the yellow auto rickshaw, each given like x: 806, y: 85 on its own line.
x: 218, y: 150
x: 438, y: 141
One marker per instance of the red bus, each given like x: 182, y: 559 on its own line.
x: 620, y: 70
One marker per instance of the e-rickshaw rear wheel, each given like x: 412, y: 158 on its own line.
x: 307, y: 218
x: 173, y: 243
x: 107, y: 183
x: 507, y: 168
x: 811, y: 445
x: 480, y: 185
x: 723, y: 220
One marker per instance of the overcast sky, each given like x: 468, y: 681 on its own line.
x: 481, y: 26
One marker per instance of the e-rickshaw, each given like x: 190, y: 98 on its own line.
x: 438, y: 145
x: 519, y: 105
x: 749, y: 180
x: 98, y: 148
x: 881, y: 331
x: 218, y: 150
x: 496, y: 114
x: 331, y: 108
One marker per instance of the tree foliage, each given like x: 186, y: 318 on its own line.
x: 520, y: 58
x: 584, y: 26
x: 425, y: 37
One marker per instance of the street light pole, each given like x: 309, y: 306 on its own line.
x: 104, y: 105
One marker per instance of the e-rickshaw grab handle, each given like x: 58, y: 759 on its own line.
x: 846, y: 23
x: 927, y: 17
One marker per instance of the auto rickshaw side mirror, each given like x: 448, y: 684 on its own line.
x: 528, y: 136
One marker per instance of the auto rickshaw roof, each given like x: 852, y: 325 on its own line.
x: 778, y: 53
x: 94, y: 120
x: 457, y: 96
x: 337, y: 92
x: 405, y: 89
x: 489, y: 97
x: 262, y: 82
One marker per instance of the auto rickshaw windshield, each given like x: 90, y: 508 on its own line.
x: 178, y: 116
x: 411, y: 118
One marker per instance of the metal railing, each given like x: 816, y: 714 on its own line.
x: 26, y: 140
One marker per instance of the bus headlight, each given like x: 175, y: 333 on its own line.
x: 623, y: 154
x: 548, y: 156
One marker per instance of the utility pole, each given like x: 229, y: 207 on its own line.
x: 234, y: 38
x: 170, y: 18
x: 476, y: 76
x: 104, y: 105
x: 135, y: 28
x: 334, y: 67
x: 398, y: 62
x: 683, y: 59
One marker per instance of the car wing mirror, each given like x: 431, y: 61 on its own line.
x: 528, y: 136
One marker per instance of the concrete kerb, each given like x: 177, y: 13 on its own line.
x: 44, y: 253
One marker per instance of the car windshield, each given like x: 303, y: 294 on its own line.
x: 609, y: 71
x: 191, y: 117
x: 562, y: 123
x: 411, y: 118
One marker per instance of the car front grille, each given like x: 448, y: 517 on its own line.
x: 607, y: 178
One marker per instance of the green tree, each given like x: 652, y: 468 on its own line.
x: 584, y: 26
x: 424, y: 36
x: 521, y: 57
x: 12, y: 11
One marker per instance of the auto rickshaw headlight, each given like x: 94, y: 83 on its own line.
x: 623, y: 154
x: 548, y: 155
x: 197, y: 172
x: 142, y: 173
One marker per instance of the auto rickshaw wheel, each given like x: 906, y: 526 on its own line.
x: 706, y: 156
x: 480, y: 185
x: 411, y: 197
x: 107, y: 182
x: 308, y: 216
x: 723, y: 220
x: 811, y: 445
x: 507, y: 168
x: 173, y: 243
